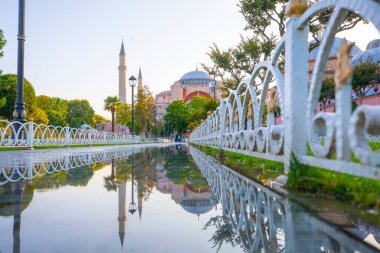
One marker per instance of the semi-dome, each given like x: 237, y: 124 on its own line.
x: 373, y: 44
x: 371, y: 55
x: 196, y: 78
x: 334, y: 49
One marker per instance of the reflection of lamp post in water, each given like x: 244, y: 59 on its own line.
x: 17, y: 192
x: 132, y: 205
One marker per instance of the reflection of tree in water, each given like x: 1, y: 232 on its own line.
x: 144, y: 167
x: 7, y: 199
x: 224, y: 233
x: 181, y: 170
x: 74, y: 177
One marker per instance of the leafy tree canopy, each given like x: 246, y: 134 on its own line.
x: 144, y: 111
x: 39, y: 116
x: 177, y: 116
x: 79, y: 112
x: 124, y: 115
x: 55, y: 108
x: 99, y: 119
x: 365, y: 75
x: 199, y: 108
x: 8, y: 91
x: 2, y: 44
x: 327, y: 91
x: 266, y: 19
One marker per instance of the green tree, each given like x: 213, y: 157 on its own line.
x: 2, y: 44
x: 267, y: 19
x: 39, y: 116
x: 111, y: 104
x: 144, y: 112
x: 8, y: 91
x: 198, y: 110
x: 99, y: 119
x: 55, y: 108
x: 327, y: 91
x: 124, y: 114
x: 230, y: 66
x: 79, y: 112
x: 365, y: 75
x: 177, y: 116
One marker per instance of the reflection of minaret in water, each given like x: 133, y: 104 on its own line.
x: 122, y: 210
x: 17, y: 191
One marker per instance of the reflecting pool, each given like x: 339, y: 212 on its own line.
x: 160, y: 198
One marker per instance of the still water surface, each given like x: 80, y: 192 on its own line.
x: 181, y: 200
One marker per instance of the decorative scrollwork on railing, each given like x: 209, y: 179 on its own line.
x: 268, y: 222
x: 238, y: 124
x: 29, y: 134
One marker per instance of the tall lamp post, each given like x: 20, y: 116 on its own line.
x: 19, y: 114
x: 212, y: 85
x: 132, y: 83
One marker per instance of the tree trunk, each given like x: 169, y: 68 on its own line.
x: 360, y: 100
x: 113, y: 121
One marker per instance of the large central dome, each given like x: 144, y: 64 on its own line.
x: 196, y: 78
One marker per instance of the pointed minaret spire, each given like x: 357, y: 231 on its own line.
x: 122, y: 51
x: 140, y: 75
x: 122, y: 75
x: 140, y: 81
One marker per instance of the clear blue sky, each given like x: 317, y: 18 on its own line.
x: 72, y: 46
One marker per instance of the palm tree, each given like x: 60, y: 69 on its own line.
x: 110, y: 104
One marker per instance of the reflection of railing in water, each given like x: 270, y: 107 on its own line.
x: 268, y: 222
x: 28, y: 166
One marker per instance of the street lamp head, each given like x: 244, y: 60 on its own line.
x: 132, y: 207
x: 132, y: 81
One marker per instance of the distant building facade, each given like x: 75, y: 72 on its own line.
x: 192, y: 84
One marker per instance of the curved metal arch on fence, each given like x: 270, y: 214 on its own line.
x: 332, y: 137
x: 29, y: 134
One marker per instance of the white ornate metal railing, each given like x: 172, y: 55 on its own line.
x: 29, y: 165
x: 238, y: 124
x: 265, y: 221
x: 29, y: 134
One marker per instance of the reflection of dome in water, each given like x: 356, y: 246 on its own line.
x: 334, y: 49
x: 198, y: 206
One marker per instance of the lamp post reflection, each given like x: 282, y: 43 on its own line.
x: 132, y: 205
x: 17, y: 192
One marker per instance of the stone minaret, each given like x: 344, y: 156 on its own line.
x: 140, y: 82
x: 122, y: 76
x: 122, y: 211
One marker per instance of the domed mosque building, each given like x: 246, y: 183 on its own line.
x: 357, y: 56
x: 192, y: 84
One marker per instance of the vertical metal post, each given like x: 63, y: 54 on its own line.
x: 133, y: 111
x: 30, y: 137
x: 19, y: 114
x: 296, y: 88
